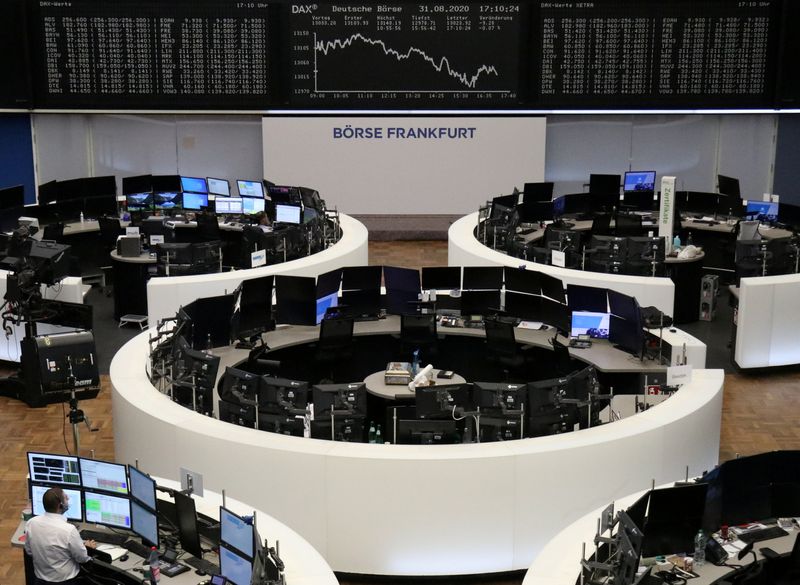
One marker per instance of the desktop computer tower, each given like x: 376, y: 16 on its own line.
x: 709, y: 289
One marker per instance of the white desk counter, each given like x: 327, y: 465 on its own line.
x: 464, y: 249
x: 417, y: 510
x: 165, y: 295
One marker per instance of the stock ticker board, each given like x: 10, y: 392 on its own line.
x: 415, y: 54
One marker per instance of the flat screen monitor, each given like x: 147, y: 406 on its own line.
x: 604, y: 184
x: 295, y: 298
x: 537, y: 192
x: 143, y: 487
x: 194, y: 185
x: 342, y: 398
x: 144, y: 523
x: 165, y: 183
x: 218, y: 186
x: 623, y: 305
x: 324, y: 303
x: 287, y: 213
x: 195, y: 201
x: 441, y: 401
x: 239, y: 386
x: 501, y: 397
x: 638, y: 510
x: 250, y: 188
x: 555, y: 314
x: 348, y: 429
x: 235, y: 532
x: 524, y: 306
x: 441, y: 277
x: 233, y: 566
x: 75, y: 511
x: 106, y: 509
x: 104, y: 476
x: 696, y: 202
x: 255, y: 306
x: 137, y: 184
x: 427, y: 432
x: 361, y: 278
x: 402, y: 289
x: 762, y: 210
x: 595, y: 325
x: 54, y: 469
x: 100, y: 186
x: 284, y: 194
x: 523, y: 281
x: 167, y: 201
x: 483, y: 277
x: 553, y: 288
x: 48, y: 192
x: 100, y: 206
x: 480, y: 302
x: 639, y: 181
x: 282, y: 396
x: 328, y: 285
x: 503, y: 204
x: 535, y: 211
x: 674, y: 516
x: 626, y: 335
x: 211, y: 321
x: 587, y: 298
x: 728, y: 186
x: 139, y: 201
x: 187, y: 524
x: 251, y: 205
x: 229, y: 205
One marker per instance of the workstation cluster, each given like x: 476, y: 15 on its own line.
x: 117, y: 506
x: 525, y: 391
x: 703, y: 530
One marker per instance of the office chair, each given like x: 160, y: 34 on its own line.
x: 418, y: 332
x: 748, y: 230
x: 208, y: 227
x: 502, y: 348
x: 110, y: 230
x: 53, y: 231
x: 752, y: 258
x: 627, y: 225
x: 334, y: 346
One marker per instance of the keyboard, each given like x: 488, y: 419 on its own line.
x: 203, y: 565
x: 363, y: 318
x: 136, y: 548
x: 762, y: 534
x: 107, y: 537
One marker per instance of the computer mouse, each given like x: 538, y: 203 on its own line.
x: 123, y: 558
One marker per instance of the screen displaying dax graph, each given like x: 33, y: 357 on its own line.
x: 412, y: 53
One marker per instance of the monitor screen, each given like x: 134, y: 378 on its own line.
x: 237, y: 533
x: 728, y: 186
x: 195, y: 201
x: 284, y: 194
x: 139, y: 201
x: 144, y: 523
x: 441, y: 277
x: 587, y: 298
x: 167, y: 201
x: 75, y: 511
x: 523, y: 281
x: 324, y: 303
x: 552, y: 287
x: 60, y: 469
x: 640, y: 181
x: 255, y: 306
x: 763, y: 210
x: 235, y: 567
x: 105, y: 476
x: 295, y: 298
x: 361, y: 278
x: 107, y: 509
x: 143, y: 488
x: 194, y: 185
x: 595, y: 325
x: 483, y: 277
x: 250, y: 188
x: 187, y: 524
x: 287, y: 213
x: 229, y: 205
x: 537, y: 192
x: 137, y: 184
x: 219, y: 186
x: 252, y: 205
x: 604, y: 184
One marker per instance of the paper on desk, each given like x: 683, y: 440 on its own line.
x: 530, y: 325
x: 115, y: 551
x: 733, y: 547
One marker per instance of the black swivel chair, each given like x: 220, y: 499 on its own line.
x: 418, y: 332
x: 110, y: 230
x: 208, y: 227
x: 335, y: 345
x: 502, y: 348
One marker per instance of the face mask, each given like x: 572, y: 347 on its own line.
x: 64, y: 507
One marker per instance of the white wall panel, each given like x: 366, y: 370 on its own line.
x: 61, y: 146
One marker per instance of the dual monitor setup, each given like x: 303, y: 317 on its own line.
x: 121, y: 497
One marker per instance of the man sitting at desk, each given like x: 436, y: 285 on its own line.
x: 263, y: 221
x: 54, y: 544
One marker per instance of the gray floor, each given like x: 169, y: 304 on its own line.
x: 108, y: 336
x: 716, y: 334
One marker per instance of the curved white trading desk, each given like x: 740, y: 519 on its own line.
x: 165, y: 295
x: 417, y: 510
x: 464, y: 249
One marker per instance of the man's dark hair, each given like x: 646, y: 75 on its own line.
x: 52, y: 499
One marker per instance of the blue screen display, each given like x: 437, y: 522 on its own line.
x: 236, y: 568
x: 236, y: 532
x: 763, y: 210
x: 250, y: 188
x: 194, y: 184
x: 195, y: 201
x: 331, y: 300
x: 594, y: 325
x: 640, y: 181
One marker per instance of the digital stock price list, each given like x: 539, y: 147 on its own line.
x: 390, y: 54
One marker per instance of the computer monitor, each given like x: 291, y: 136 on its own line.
x: 604, y: 184
x: 75, y: 511
x: 328, y: 285
x: 587, y: 298
x: 523, y: 281
x: 237, y: 414
x: 674, y: 516
x: 239, y: 386
x: 103, y: 475
x: 348, y: 399
x: 251, y: 205
x: 167, y: 201
x: 762, y: 210
x: 194, y: 185
x: 555, y: 314
x: 137, y: 184
x: 218, y: 186
x: 187, y: 524
x: 165, y: 183
x: 295, y: 298
x: 54, y: 469
x: 626, y: 335
x: 195, y: 201
x: 324, y: 303
x: 500, y: 398
x: 144, y: 524
x: 595, y: 325
x: 441, y: 277
x: 480, y: 302
x: 139, y: 201
x: 284, y: 194
x: 638, y: 510
x: 427, y: 432
x: 402, y: 289
x: 280, y: 396
x: 282, y: 424
x: 537, y: 192
x: 535, y: 211
x: 106, y: 509
x: 143, y: 487
x: 254, y: 313
x: 233, y: 566
x: 483, y: 277
x: 524, y: 306
x: 442, y: 401
x: 250, y: 188
x: 624, y: 306
x: 229, y: 205
x: 100, y: 206
x: 288, y: 213
x: 552, y: 287
x: 639, y: 181
x: 211, y: 321
x: 48, y: 192
x: 236, y: 532
x: 728, y: 186
x: 348, y: 429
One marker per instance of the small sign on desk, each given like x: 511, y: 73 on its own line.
x: 679, y: 375
x: 258, y: 258
x: 559, y: 258
x: 132, y: 231
x: 156, y: 239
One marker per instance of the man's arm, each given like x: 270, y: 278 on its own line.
x: 77, y: 548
